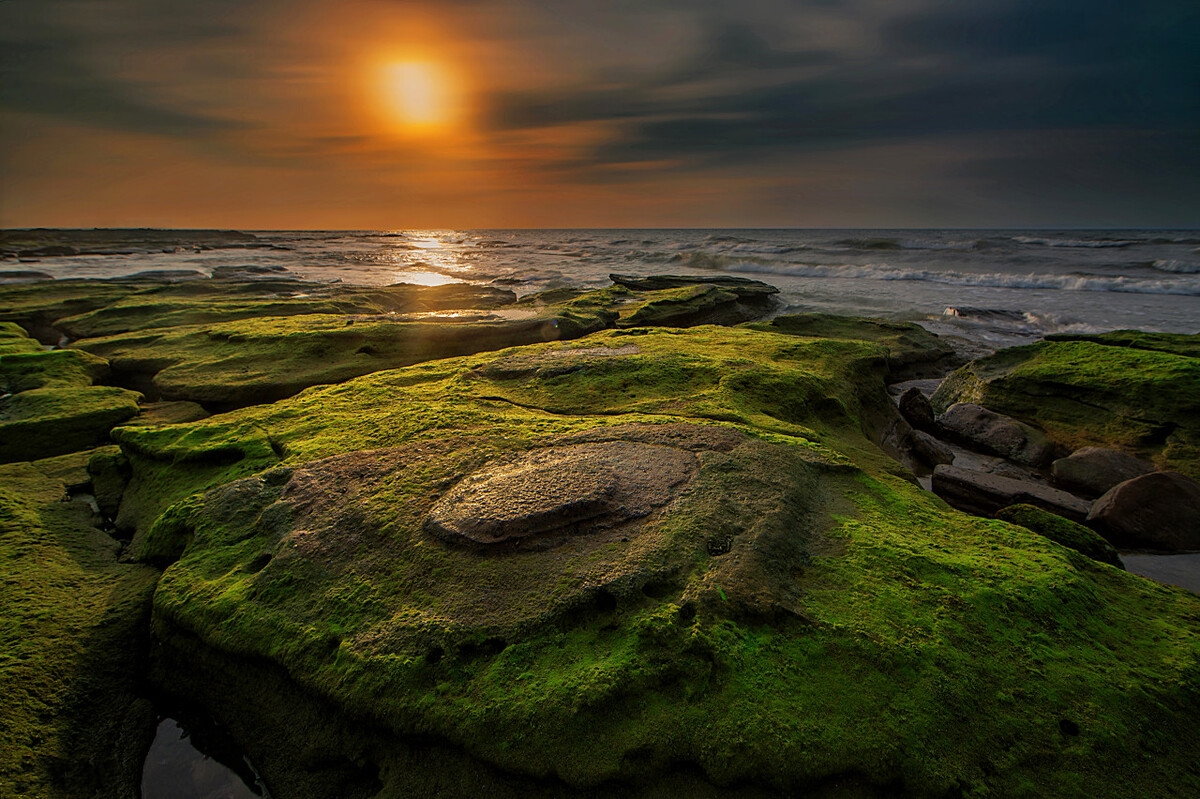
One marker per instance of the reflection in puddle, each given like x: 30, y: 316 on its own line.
x: 176, y: 769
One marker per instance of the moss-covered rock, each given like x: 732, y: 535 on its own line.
x: 1174, y: 343
x: 91, y: 308
x: 1062, y: 531
x: 912, y: 351
x: 210, y: 302
x: 48, y: 405
x: 44, y: 422
x: 49, y: 369
x: 73, y: 635
x: 796, y: 617
x: 14, y: 340
x: 1094, y: 393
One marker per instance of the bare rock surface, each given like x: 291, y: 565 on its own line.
x: 1094, y: 470
x: 1160, y: 511
x: 594, y: 485
x: 930, y: 450
x: 914, y: 407
x: 975, y: 426
x: 984, y: 494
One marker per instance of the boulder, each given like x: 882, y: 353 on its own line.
x: 978, y: 428
x: 1138, y: 393
x: 915, y: 407
x: 984, y: 494
x: 1160, y: 510
x: 1092, y: 471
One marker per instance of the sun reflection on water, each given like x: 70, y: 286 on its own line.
x: 430, y: 258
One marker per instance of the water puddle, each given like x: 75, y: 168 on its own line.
x: 1181, y: 570
x: 178, y: 768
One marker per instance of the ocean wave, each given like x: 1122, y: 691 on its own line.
x: 1085, y: 243
x: 1020, y: 321
x: 871, y: 244
x: 1074, y: 282
x: 1177, y: 267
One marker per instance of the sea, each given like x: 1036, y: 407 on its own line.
x: 985, y: 288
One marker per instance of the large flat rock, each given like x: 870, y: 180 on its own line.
x: 561, y: 489
x: 984, y: 493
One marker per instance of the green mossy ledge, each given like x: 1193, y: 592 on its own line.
x: 800, y: 617
x: 1134, y: 391
x: 48, y: 405
x: 74, y: 720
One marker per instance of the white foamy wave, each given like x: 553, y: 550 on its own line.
x: 1177, y: 267
x: 1187, y: 287
x: 1088, y: 243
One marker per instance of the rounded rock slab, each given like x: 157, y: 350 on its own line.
x: 1159, y: 511
x: 561, y: 488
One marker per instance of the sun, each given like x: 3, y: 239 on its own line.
x: 419, y: 94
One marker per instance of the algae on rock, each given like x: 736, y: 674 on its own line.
x: 796, y: 616
x: 74, y: 631
x: 1095, y: 392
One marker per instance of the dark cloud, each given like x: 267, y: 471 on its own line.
x: 65, y: 58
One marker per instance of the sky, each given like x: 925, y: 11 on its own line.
x: 390, y: 114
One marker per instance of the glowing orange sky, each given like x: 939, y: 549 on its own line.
x: 260, y: 114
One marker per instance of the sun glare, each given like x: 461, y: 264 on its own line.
x: 418, y: 94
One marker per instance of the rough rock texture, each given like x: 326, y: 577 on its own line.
x: 978, y: 428
x: 1141, y: 399
x: 1160, y: 510
x: 1062, y: 531
x: 929, y: 450
x: 799, y: 619
x: 984, y: 494
x: 743, y: 287
x: 558, y: 490
x: 911, y: 350
x: 1091, y: 471
x: 48, y: 405
x: 74, y: 719
x: 915, y: 408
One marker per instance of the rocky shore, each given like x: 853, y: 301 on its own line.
x: 645, y: 540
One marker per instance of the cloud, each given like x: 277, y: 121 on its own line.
x: 70, y: 59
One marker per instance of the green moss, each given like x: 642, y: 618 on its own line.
x: 90, y: 308
x: 1084, y: 392
x: 855, y: 624
x: 686, y: 305
x: 50, y: 369
x: 44, y: 422
x: 1174, y: 343
x: 14, y: 340
x: 1062, y: 531
x: 911, y: 349
x: 209, y: 302
x: 70, y: 636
